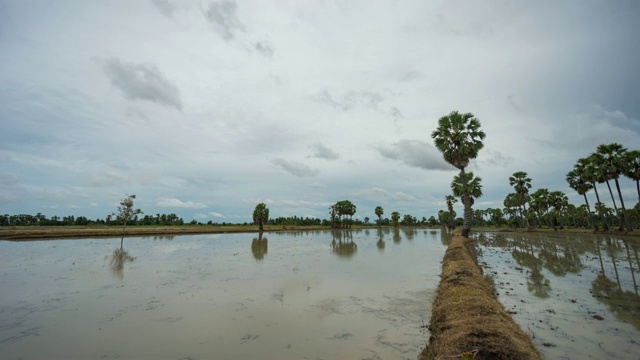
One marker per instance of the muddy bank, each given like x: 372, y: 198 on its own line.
x: 467, y: 318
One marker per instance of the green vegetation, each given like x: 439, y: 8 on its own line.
x: 261, y: 215
x: 459, y: 139
x: 395, y: 218
x: 126, y: 213
x: 379, y: 212
x: 344, y: 211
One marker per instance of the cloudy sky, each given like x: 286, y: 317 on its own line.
x: 206, y: 108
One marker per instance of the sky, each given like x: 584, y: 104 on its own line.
x: 207, y: 108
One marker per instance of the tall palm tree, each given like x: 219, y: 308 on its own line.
x: 578, y: 183
x: 467, y: 192
x: 450, y: 201
x: 591, y: 173
x: 614, y: 156
x: 632, y: 171
x: 459, y: 139
x: 603, y: 177
x: 379, y: 212
x: 559, y: 201
x: 521, y: 184
x: 511, y: 205
x: 540, y: 203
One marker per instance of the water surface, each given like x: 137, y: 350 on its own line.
x: 290, y: 295
x: 576, y: 295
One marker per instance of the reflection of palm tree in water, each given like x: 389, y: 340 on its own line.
x: 409, y: 233
x: 118, y: 259
x: 396, y: 236
x: 633, y: 276
x: 342, y: 243
x: 560, y: 264
x: 259, y: 247
x: 625, y: 305
x: 536, y: 283
x: 380, y: 242
x: 611, y: 250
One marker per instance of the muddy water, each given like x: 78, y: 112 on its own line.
x: 300, y: 295
x: 576, y: 295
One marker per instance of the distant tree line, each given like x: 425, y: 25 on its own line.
x: 42, y: 220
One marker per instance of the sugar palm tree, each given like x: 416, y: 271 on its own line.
x: 578, y: 183
x: 559, y: 201
x: 459, y: 139
x: 467, y: 192
x: 540, y: 203
x: 614, y: 156
x: 511, y: 205
x: 632, y: 171
x: 450, y: 201
x: 591, y: 173
x: 521, y: 184
x: 599, y: 162
x: 467, y: 189
x: 379, y: 212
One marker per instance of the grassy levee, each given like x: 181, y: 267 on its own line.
x: 467, y: 321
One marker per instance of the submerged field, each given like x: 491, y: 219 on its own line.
x: 287, y: 295
x: 576, y: 295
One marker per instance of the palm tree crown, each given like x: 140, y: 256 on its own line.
x: 473, y: 188
x: 459, y: 138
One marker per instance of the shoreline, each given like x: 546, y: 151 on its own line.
x: 25, y: 233
x: 467, y: 320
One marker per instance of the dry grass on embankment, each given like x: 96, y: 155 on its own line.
x: 466, y: 316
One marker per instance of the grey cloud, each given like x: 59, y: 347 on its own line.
x: 352, y: 99
x: 395, y: 113
x: 264, y: 48
x: 414, y: 153
x: 411, y: 75
x: 142, y: 81
x: 617, y: 119
x: 497, y: 159
x: 295, y: 168
x: 323, y: 152
x: 222, y: 16
x: 165, y: 7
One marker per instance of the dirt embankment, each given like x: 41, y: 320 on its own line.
x: 467, y: 321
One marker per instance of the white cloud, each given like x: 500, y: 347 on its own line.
x: 175, y: 203
x: 301, y: 104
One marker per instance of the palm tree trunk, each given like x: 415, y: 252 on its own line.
x: 595, y: 226
x: 605, y: 226
x: 624, y: 211
x: 466, y: 201
x: 615, y: 207
x: 526, y: 220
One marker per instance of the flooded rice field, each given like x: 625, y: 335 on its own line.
x: 575, y: 295
x: 292, y: 295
